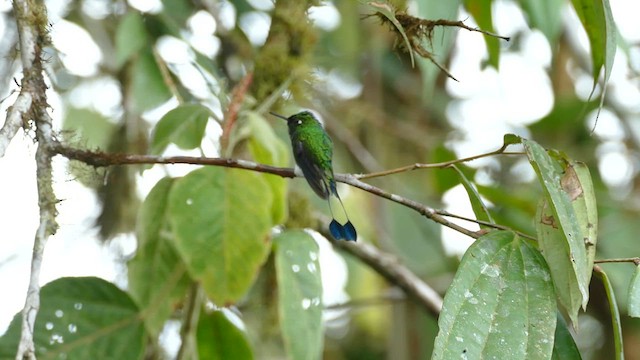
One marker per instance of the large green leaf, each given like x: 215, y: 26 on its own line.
x: 564, y: 216
x: 544, y: 16
x: 597, y: 20
x: 555, y: 250
x: 634, y: 294
x: 267, y: 148
x: 500, y: 305
x: 158, y: 277
x: 614, y: 312
x: 481, y: 12
x: 149, y: 87
x: 220, y: 339
x: 82, y: 318
x: 300, y: 294
x: 221, y: 219
x: 183, y: 126
x: 131, y: 37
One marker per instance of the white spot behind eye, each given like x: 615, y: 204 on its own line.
x: 299, y: 122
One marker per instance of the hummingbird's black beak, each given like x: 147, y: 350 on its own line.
x: 278, y: 115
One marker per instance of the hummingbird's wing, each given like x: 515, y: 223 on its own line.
x: 312, y: 170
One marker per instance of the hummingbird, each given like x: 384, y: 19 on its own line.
x: 313, y: 151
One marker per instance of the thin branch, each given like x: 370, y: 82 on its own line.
x: 484, y: 223
x: 460, y: 24
x: 420, y: 208
x: 190, y: 322
x: 439, y: 165
x: 103, y: 159
x: 32, y: 25
x: 99, y: 159
x: 13, y: 121
x: 634, y: 260
x: 231, y: 115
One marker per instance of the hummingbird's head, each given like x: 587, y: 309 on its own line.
x: 300, y: 119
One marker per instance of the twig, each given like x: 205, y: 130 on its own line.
x: 484, y: 223
x: 444, y: 164
x: 231, y: 115
x: 460, y: 24
x: 13, y: 121
x: 634, y: 260
x: 190, y: 322
x: 32, y: 27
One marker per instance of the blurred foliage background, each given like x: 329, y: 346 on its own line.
x: 116, y: 67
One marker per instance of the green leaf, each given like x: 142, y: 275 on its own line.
x: 479, y: 208
x: 564, y: 347
x: 544, y: 16
x: 221, y: 220
x: 555, y: 250
x: 614, y: 312
x: 500, y: 305
x: 634, y: 294
x: 564, y: 216
x: 131, y: 37
x: 219, y: 339
x: 82, y: 318
x: 597, y: 20
x: 267, y: 148
x: 481, y: 12
x: 386, y: 9
x: 510, y: 139
x: 91, y: 130
x: 158, y: 277
x: 183, y: 126
x: 577, y: 183
x: 177, y: 12
x: 149, y: 89
x: 300, y: 294
x: 94, y: 129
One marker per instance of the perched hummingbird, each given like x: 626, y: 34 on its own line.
x: 313, y: 150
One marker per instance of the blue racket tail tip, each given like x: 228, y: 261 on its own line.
x: 336, y: 230
x: 349, y: 232
x: 343, y: 232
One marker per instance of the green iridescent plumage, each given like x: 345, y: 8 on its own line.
x: 313, y: 151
